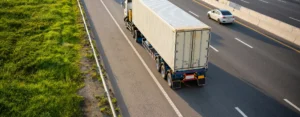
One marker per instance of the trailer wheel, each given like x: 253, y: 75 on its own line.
x: 163, y: 71
x: 134, y: 35
x: 126, y: 22
x: 157, y: 64
x: 169, y: 79
x: 131, y: 28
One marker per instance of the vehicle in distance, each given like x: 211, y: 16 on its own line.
x: 221, y: 16
x: 178, y: 43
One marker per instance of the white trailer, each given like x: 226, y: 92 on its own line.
x: 176, y: 40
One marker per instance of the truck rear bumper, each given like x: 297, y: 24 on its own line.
x: 200, y: 77
x: 188, y: 75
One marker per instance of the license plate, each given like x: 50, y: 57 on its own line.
x: 189, y: 77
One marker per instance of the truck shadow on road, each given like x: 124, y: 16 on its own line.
x: 223, y: 92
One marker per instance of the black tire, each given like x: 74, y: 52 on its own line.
x: 163, y: 71
x: 219, y: 21
x: 169, y: 79
x: 137, y: 35
x: 209, y: 16
x: 131, y: 29
x: 134, y: 35
x: 126, y: 22
x: 157, y: 64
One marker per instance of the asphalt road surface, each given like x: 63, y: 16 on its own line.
x: 287, y: 11
x: 249, y: 74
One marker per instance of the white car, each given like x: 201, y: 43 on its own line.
x: 222, y: 16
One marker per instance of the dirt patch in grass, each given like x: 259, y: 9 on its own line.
x: 92, y: 86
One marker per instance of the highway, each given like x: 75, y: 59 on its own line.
x: 287, y: 11
x: 249, y: 74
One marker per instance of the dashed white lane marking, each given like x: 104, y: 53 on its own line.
x: 243, y: 42
x: 213, y: 48
x: 293, y: 105
x: 282, y: 1
x: 144, y: 63
x: 194, y: 13
x: 245, y: 1
x: 264, y: 1
x: 241, y: 112
x: 294, y: 19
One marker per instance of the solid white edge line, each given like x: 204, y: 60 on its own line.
x: 213, y: 48
x: 144, y: 63
x: 293, y: 105
x: 98, y: 66
x: 243, y: 42
x: 194, y: 13
x: 241, y: 112
x: 294, y: 19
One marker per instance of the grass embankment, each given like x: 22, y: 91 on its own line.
x: 40, y: 42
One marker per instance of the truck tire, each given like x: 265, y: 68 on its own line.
x: 163, y: 71
x: 157, y: 64
x: 126, y: 23
x: 134, y: 35
x: 169, y: 79
x: 125, y: 19
x: 131, y: 28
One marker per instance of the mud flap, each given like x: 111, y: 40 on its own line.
x: 201, y: 82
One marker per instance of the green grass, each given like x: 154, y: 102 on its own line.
x: 104, y: 105
x: 40, y: 42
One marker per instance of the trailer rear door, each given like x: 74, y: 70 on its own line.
x: 191, y: 49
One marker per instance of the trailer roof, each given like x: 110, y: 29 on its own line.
x: 175, y: 16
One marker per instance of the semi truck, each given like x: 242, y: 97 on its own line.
x: 177, y: 41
